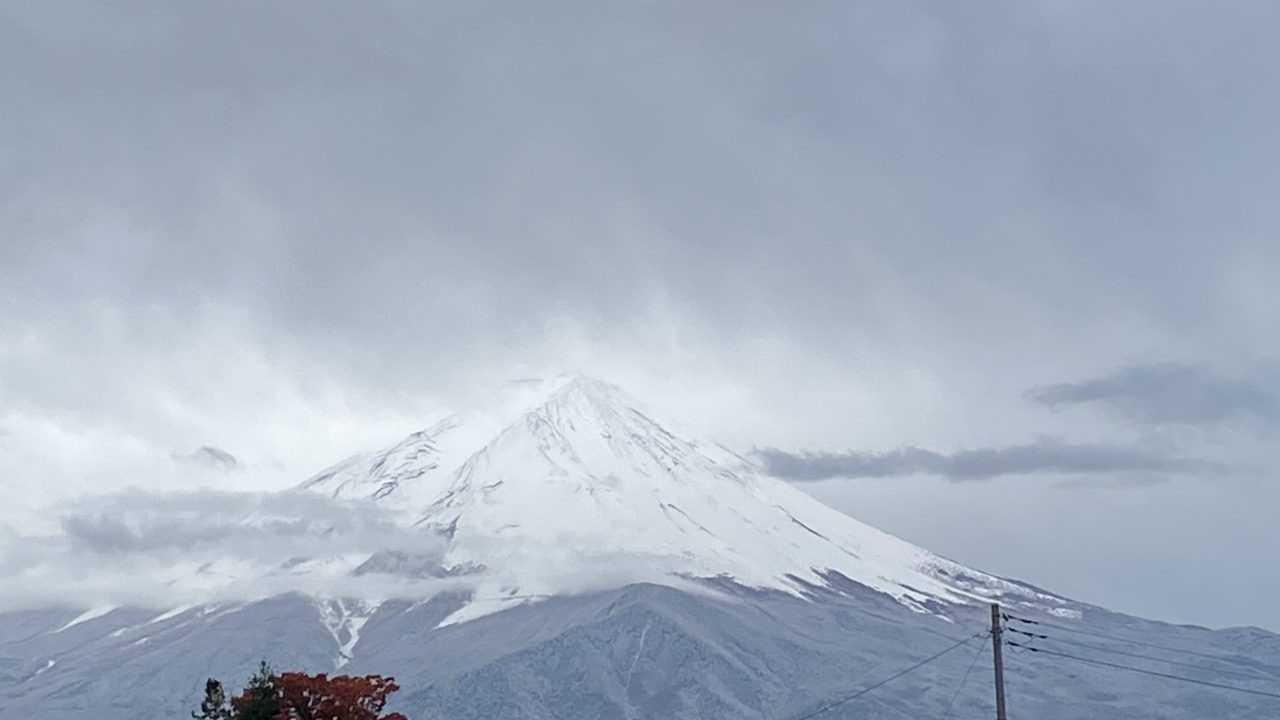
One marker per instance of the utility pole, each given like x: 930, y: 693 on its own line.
x: 996, y: 643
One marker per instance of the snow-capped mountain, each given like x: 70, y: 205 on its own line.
x: 557, y: 552
x: 571, y: 484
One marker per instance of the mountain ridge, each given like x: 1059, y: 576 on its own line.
x: 579, y: 471
x: 567, y: 556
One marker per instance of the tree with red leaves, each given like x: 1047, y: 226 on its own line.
x: 345, y: 697
x: 298, y: 696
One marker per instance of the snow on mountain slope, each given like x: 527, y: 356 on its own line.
x: 418, y: 468
x: 570, y: 485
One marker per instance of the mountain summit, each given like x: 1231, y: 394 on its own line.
x: 556, y: 552
x: 558, y: 486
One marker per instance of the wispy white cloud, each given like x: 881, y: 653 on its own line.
x: 167, y: 549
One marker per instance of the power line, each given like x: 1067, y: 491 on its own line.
x: 889, y: 706
x: 1140, y: 656
x: 981, y: 646
x: 1168, y: 676
x: 1129, y: 641
x: 889, y: 679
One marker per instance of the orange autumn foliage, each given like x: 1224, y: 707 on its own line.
x: 344, y: 697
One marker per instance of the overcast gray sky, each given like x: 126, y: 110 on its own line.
x: 996, y: 277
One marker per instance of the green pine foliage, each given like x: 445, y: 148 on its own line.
x: 260, y: 700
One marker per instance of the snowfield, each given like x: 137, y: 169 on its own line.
x: 563, y: 486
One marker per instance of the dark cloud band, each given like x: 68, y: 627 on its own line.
x: 1172, y: 393
x: 1042, y: 457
